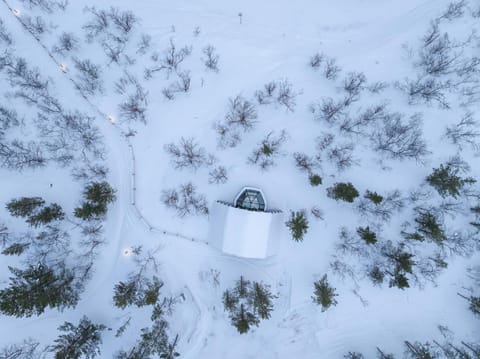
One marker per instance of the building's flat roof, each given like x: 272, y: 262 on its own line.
x: 244, y: 233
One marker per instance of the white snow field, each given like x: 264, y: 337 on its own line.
x: 257, y: 42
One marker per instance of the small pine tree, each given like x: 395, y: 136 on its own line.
x: 324, y: 294
x: 446, y: 181
x: 315, y: 180
x: 24, y: 206
x: 80, y: 341
x: 343, y: 191
x: 367, y: 235
x: 298, y: 225
x: 262, y: 300
x: 373, y: 196
x: 382, y: 355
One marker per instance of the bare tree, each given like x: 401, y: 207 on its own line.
x: 135, y: 106
x: 465, y: 132
x: 342, y: 156
x: 124, y: 21
x: 454, y: 10
x: 377, y: 87
x: 268, y: 150
x: 332, y: 70
x: 360, y: 124
x: 218, y: 175
x: 185, y: 201
x: 67, y: 42
x: 188, y: 154
x: 5, y: 35
x: 36, y: 25
x: 241, y: 113
x: 353, y: 84
x: 279, y: 92
x: 304, y: 162
x: 98, y: 24
x: 48, y: 6
x: 171, y: 60
x: 211, y: 58
x: 316, y: 60
x: 8, y: 118
x: 329, y: 110
x: 425, y: 89
x: 19, y: 155
x: 399, y: 139
x: 89, y: 76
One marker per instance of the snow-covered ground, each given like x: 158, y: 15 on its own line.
x: 269, y: 41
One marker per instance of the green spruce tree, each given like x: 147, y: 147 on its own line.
x: 324, y: 294
x: 34, y: 289
x: 79, y: 341
x: 343, y: 191
x: 298, y: 225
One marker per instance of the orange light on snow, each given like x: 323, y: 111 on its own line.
x: 63, y: 67
x: 16, y: 12
x: 111, y: 119
x: 127, y: 252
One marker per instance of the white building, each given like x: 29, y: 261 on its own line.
x: 246, y: 228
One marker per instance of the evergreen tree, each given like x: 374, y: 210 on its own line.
x: 81, y: 341
x: 36, y: 288
x: 374, y: 197
x: 324, y: 294
x: 343, y: 191
x: 382, y: 355
x: 420, y: 351
x: 376, y: 275
x: 97, y: 196
x: 446, y: 180
x: 247, y: 303
x: 315, y: 180
x: 298, y: 225
x: 137, y: 290
x: 367, y: 235
x: 24, y: 206
x: 428, y: 227
x: 53, y: 212
x: 25, y: 350
x: 475, y: 305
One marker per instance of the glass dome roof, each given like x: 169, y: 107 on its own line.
x: 251, y: 199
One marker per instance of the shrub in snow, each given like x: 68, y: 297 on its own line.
x: 211, y: 58
x: 67, y: 42
x: 185, y: 201
x: 353, y: 85
x: 248, y: 303
x: 298, y: 225
x: 465, y: 132
x: 316, y: 60
x: 331, y: 70
x: 5, y: 35
x: 343, y: 191
x: 399, y: 139
x: 187, y: 154
x: 218, y: 175
x: 315, y: 180
x: 78, y: 341
x: 324, y: 294
x: 89, y: 76
x: 268, y: 150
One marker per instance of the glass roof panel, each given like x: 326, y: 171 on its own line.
x: 251, y: 200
